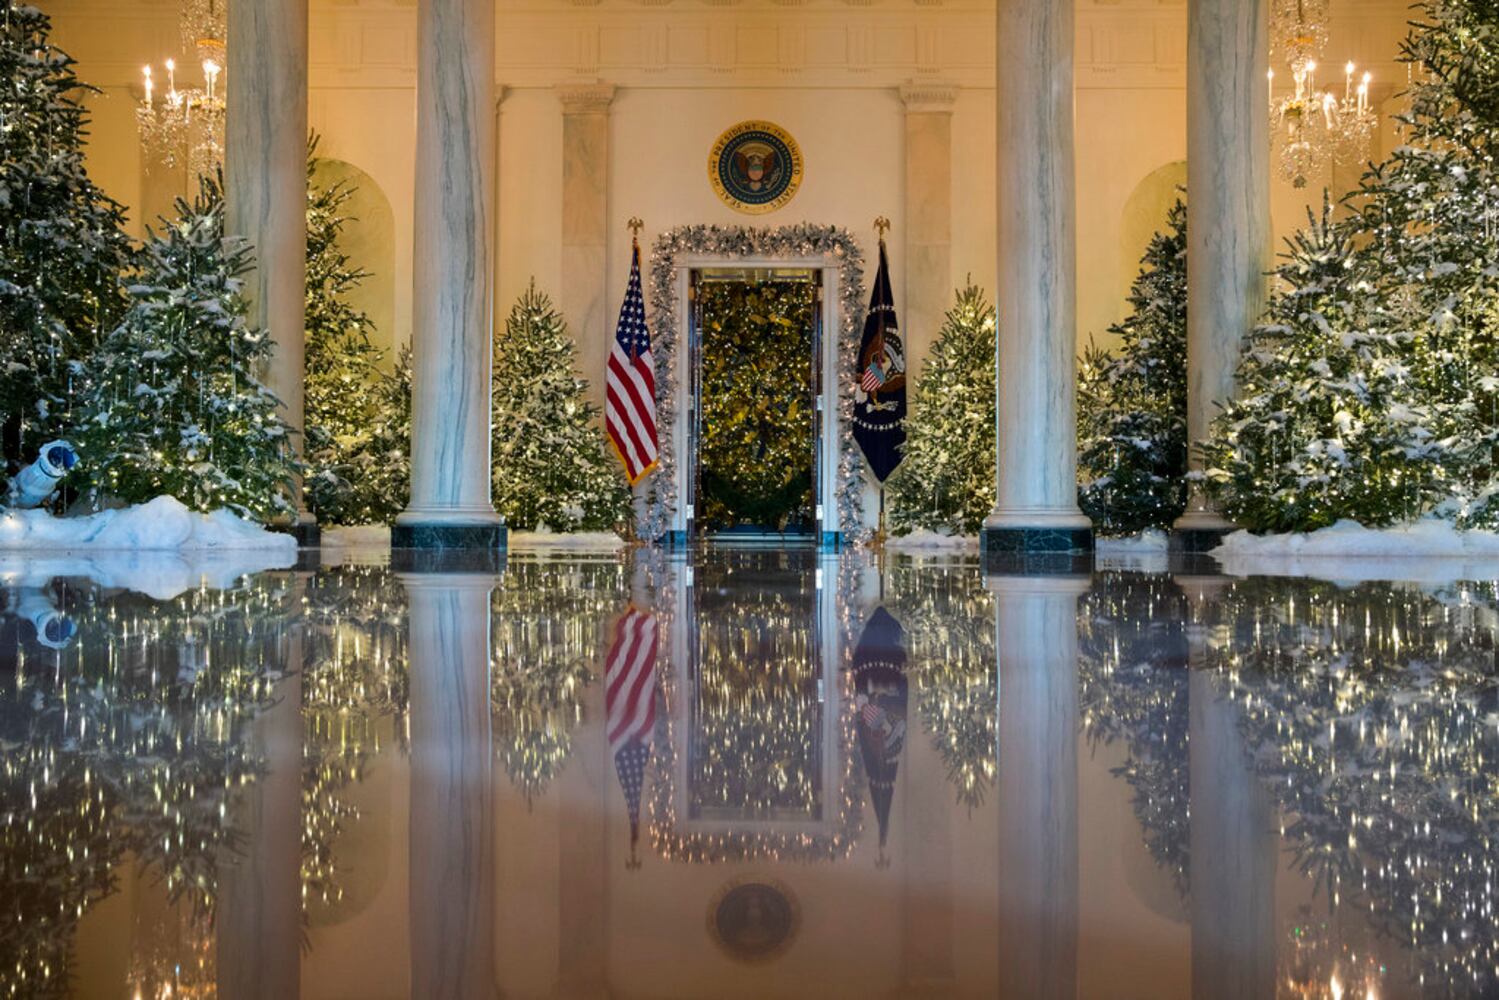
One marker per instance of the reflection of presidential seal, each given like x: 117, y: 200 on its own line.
x: 754, y: 919
x: 755, y: 167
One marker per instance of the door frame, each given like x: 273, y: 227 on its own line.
x: 681, y: 525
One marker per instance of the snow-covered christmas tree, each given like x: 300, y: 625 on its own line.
x: 358, y: 462
x: 1132, y: 400
x: 1372, y: 392
x: 173, y: 403
x: 62, y: 242
x: 550, y: 467
x: 946, y: 482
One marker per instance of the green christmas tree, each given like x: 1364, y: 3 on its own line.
x: 550, y: 467
x: 1372, y: 392
x: 358, y: 461
x: 1132, y: 401
x: 62, y: 242
x: 174, y: 404
x: 946, y: 482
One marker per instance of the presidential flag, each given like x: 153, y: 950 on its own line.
x: 630, y: 399
x: 630, y: 708
x: 880, y: 381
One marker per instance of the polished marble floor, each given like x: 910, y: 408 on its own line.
x: 746, y: 773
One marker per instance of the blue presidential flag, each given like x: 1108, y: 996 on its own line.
x: 880, y: 381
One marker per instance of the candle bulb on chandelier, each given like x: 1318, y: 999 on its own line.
x: 1328, y: 103
x: 1348, y: 82
x: 146, y: 72
x: 1270, y: 84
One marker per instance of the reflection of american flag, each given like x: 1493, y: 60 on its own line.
x: 630, y: 400
x: 630, y: 704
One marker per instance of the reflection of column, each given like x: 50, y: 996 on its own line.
x: 265, y: 181
x: 1228, y: 214
x: 585, y: 224
x: 928, y: 246
x: 452, y: 311
x: 258, y: 921
x: 1037, y: 471
x: 1038, y: 725
x: 1232, y: 839
x: 452, y: 792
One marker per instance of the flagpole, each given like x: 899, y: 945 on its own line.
x: 881, y: 226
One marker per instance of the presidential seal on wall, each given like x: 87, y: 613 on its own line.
x: 755, y: 167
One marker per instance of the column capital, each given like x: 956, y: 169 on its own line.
x: 928, y: 96
x: 588, y: 97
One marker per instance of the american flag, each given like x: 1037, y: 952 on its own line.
x: 630, y: 707
x: 873, y: 378
x: 630, y: 403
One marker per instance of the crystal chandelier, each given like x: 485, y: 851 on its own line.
x: 186, y: 124
x: 1310, y: 127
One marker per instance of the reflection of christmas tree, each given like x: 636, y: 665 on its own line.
x: 1132, y: 670
x: 1371, y: 714
x: 550, y: 623
x: 948, y: 618
x: 126, y: 743
x: 754, y: 744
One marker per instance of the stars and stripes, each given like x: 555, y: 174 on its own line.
x: 630, y: 400
x: 874, y: 377
x: 630, y: 707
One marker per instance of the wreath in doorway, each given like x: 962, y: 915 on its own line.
x: 832, y: 244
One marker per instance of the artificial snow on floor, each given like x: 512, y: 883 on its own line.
x: 932, y: 541
x: 1430, y: 550
x: 163, y: 524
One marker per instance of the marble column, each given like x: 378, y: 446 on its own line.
x: 1233, y: 835
x: 1228, y: 216
x: 1036, y: 644
x: 1037, y: 508
x: 928, y: 215
x: 258, y: 916
x: 452, y: 896
x: 585, y: 225
x: 265, y: 190
x: 452, y: 308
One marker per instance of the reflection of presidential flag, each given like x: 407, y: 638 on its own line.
x: 630, y: 398
x: 630, y: 706
x: 880, y: 692
x: 880, y: 397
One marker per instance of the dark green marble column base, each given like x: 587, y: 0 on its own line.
x: 1197, y: 541
x: 308, y: 536
x: 1041, y: 551
x: 473, y: 537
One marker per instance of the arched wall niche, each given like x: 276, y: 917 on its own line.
x: 369, y: 238
x: 1144, y: 215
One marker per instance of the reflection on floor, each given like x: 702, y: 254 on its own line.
x: 747, y: 773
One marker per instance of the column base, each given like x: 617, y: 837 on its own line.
x: 1036, y: 551
x: 431, y: 536
x: 308, y: 534
x: 1199, y: 532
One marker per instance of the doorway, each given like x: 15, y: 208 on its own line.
x: 756, y: 385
